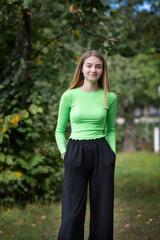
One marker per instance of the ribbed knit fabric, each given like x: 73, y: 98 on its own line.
x: 87, y: 115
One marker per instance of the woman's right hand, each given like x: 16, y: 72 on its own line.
x: 63, y: 155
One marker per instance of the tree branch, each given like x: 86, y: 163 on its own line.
x: 98, y: 36
x: 56, y: 37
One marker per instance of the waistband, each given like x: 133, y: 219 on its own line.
x: 79, y: 141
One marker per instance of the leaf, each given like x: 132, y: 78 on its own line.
x: 1, y: 138
x: 28, y: 121
x: 113, y: 14
x: 2, y: 157
x: 4, y: 130
x: 40, y: 62
x: 28, y: 179
x: 9, y: 159
x: 33, y: 134
x: 54, y: 41
x: 40, y: 110
x: 150, y: 219
x: 76, y: 32
x: 10, y: 2
x: 26, y: 3
x: 17, y: 118
x: 18, y: 174
x: 40, y: 169
x: 7, y: 176
x: 24, y: 114
x: 77, y: 59
x: 33, y: 108
x: 13, y: 121
x: 8, y: 235
x: 38, y: 158
x: 23, y: 163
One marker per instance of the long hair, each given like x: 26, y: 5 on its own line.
x: 103, y: 80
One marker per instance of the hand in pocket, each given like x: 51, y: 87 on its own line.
x: 63, y: 155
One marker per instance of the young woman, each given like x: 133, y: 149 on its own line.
x: 90, y: 154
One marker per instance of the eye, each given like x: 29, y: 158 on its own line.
x: 99, y: 67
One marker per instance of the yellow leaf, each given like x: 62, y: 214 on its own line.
x: 13, y: 121
x: 54, y: 41
x: 37, y: 60
x: 76, y: 32
x: 43, y: 217
x: 138, y: 215
x: 40, y: 62
x: 4, y: 130
x: 10, y: 3
x: 17, y: 118
x: 18, y: 174
x: 150, y: 219
x: 77, y: 59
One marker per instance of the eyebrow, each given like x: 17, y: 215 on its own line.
x: 96, y: 64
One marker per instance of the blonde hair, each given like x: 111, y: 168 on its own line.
x: 102, y: 82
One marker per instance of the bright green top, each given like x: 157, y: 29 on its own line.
x: 88, y: 116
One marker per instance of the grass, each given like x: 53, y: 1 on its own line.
x: 136, y: 212
x: 137, y: 191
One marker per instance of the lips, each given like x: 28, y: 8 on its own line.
x: 92, y: 75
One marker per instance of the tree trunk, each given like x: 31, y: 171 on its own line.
x: 129, y: 144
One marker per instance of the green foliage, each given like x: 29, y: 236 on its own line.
x: 40, y: 44
x: 29, y: 168
x: 134, y: 79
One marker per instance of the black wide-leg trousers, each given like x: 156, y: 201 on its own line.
x: 86, y: 161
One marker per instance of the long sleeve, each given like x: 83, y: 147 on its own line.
x: 63, y: 115
x: 110, y: 123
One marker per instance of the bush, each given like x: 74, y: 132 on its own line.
x: 30, y: 168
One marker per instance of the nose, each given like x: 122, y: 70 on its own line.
x: 93, y: 69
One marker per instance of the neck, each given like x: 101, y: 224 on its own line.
x: 89, y: 87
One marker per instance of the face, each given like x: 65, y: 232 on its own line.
x: 92, y: 69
